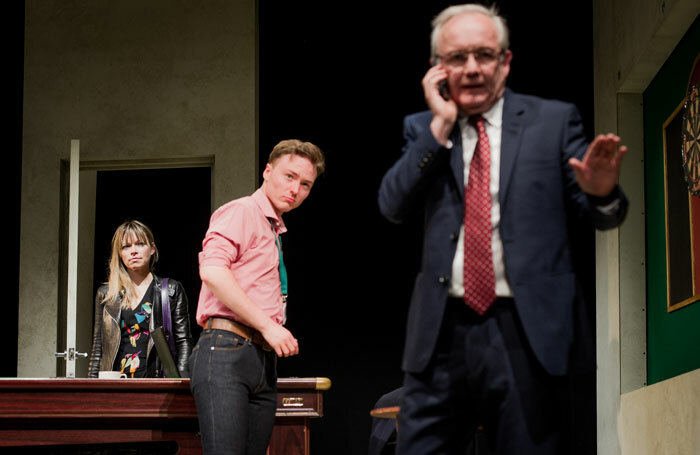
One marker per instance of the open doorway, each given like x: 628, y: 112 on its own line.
x: 174, y: 203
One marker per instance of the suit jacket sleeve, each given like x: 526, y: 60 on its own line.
x: 589, y: 206
x: 407, y: 184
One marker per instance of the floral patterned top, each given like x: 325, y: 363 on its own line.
x: 135, y: 329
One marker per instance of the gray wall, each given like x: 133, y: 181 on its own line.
x: 141, y: 84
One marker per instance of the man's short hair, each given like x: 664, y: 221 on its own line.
x: 297, y: 147
x: 452, y: 11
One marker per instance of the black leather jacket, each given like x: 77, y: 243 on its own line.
x: 107, y: 335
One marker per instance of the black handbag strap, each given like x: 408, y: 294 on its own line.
x: 167, y: 320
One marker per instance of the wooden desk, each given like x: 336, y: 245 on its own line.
x: 390, y: 412
x: 36, y: 412
x: 298, y: 400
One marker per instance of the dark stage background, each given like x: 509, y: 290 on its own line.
x: 343, y: 76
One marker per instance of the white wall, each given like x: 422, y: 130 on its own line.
x: 662, y: 418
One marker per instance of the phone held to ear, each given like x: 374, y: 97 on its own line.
x: 442, y: 86
x: 444, y: 90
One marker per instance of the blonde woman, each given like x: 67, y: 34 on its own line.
x: 130, y: 306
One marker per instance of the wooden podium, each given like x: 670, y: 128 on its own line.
x: 36, y: 412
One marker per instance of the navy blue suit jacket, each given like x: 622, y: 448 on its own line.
x: 537, y: 191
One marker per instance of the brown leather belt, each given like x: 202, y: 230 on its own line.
x: 239, y: 329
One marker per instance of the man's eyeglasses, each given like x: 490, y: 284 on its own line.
x: 483, y: 56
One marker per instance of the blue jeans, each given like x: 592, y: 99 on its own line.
x: 234, y: 383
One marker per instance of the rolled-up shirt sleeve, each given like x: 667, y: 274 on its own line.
x: 242, y: 238
x: 217, y: 251
x: 229, y: 234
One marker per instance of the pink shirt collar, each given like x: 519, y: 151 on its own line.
x: 265, y: 205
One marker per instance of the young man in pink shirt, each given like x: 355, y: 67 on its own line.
x: 242, y: 306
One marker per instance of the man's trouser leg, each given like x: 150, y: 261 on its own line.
x: 483, y: 372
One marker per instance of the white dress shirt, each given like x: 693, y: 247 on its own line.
x: 493, y: 121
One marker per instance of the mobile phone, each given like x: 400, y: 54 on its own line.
x: 442, y: 86
x: 444, y: 90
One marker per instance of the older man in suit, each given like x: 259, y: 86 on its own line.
x: 498, y: 176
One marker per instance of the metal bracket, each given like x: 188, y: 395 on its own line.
x: 70, y: 354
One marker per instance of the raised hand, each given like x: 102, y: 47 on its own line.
x: 599, y: 171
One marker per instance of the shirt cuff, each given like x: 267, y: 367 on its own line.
x: 609, y: 204
x: 609, y: 209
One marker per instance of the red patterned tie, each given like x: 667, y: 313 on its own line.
x: 479, y: 281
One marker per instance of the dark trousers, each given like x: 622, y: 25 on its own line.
x: 382, y: 438
x: 483, y: 373
x: 234, y: 383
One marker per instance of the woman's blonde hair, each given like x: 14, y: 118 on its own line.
x: 119, y: 283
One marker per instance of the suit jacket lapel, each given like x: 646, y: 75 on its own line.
x: 513, y: 120
x: 511, y: 131
x: 457, y: 158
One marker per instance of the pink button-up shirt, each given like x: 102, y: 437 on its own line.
x: 241, y: 239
